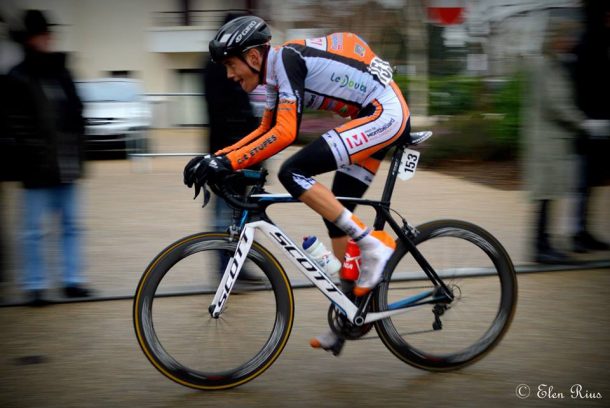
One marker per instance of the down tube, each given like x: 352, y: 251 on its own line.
x: 308, y: 268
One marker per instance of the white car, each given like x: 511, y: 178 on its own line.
x: 117, y: 116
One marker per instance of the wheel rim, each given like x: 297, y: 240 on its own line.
x: 474, y: 322
x: 186, y: 344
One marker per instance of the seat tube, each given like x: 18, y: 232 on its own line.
x: 390, y: 182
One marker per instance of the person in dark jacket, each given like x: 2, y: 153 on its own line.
x: 231, y: 117
x: 8, y: 165
x: 46, y: 120
x: 592, y: 88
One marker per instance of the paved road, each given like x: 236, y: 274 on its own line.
x: 85, y: 355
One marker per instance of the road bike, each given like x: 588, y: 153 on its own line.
x: 447, y: 297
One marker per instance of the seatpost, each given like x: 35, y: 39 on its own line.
x: 388, y: 189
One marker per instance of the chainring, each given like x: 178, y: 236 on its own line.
x: 337, y: 320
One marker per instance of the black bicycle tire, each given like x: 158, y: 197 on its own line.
x: 149, y: 342
x: 417, y: 358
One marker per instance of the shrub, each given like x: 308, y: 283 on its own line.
x: 454, y: 95
x: 483, y: 122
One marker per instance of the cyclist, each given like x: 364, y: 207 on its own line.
x: 338, y: 73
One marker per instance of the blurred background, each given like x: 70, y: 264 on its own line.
x: 516, y: 94
x: 452, y: 58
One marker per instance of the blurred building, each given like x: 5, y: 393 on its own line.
x: 160, y: 42
x: 163, y: 42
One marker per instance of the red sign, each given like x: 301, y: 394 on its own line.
x: 446, y: 12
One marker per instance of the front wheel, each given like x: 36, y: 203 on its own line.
x: 443, y: 336
x: 176, y: 331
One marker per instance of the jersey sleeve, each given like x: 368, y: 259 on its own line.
x: 290, y: 71
x: 265, y: 125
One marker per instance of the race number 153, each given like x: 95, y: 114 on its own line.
x: 408, y: 164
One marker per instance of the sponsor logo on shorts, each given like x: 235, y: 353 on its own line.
x: 356, y: 140
x: 381, y: 129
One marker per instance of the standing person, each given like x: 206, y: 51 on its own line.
x: 231, y: 117
x: 339, y: 73
x: 8, y: 164
x: 552, y: 123
x: 9, y: 154
x: 46, y: 118
x: 592, y: 80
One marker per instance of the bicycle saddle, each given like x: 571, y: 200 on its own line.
x: 418, y: 137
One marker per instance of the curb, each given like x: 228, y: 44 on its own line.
x: 303, y: 284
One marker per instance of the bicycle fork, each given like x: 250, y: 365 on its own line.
x: 229, y: 277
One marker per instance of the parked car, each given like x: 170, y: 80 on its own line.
x: 117, y: 116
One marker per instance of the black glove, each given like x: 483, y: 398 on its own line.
x: 206, y: 168
x: 189, y: 174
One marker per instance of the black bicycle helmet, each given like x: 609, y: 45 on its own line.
x: 239, y: 35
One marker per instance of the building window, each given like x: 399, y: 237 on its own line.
x: 120, y: 74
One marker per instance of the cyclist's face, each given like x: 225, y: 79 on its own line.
x: 238, y: 71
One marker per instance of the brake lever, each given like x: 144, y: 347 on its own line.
x: 206, y: 197
x: 206, y: 194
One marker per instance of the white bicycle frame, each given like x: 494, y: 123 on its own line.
x: 307, y: 266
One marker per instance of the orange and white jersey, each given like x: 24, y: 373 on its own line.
x: 339, y: 73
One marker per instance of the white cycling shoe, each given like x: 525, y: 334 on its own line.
x: 328, y: 341
x: 374, y: 255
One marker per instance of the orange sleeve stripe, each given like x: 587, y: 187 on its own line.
x: 268, y: 144
x: 256, y: 133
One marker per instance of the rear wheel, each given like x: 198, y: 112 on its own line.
x: 481, y: 277
x: 176, y: 331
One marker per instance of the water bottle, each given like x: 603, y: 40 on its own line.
x: 323, y: 257
x: 351, y: 266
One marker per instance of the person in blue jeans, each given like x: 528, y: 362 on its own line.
x: 45, y: 117
x: 39, y: 203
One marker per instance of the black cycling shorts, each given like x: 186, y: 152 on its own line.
x: 297, y: 172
